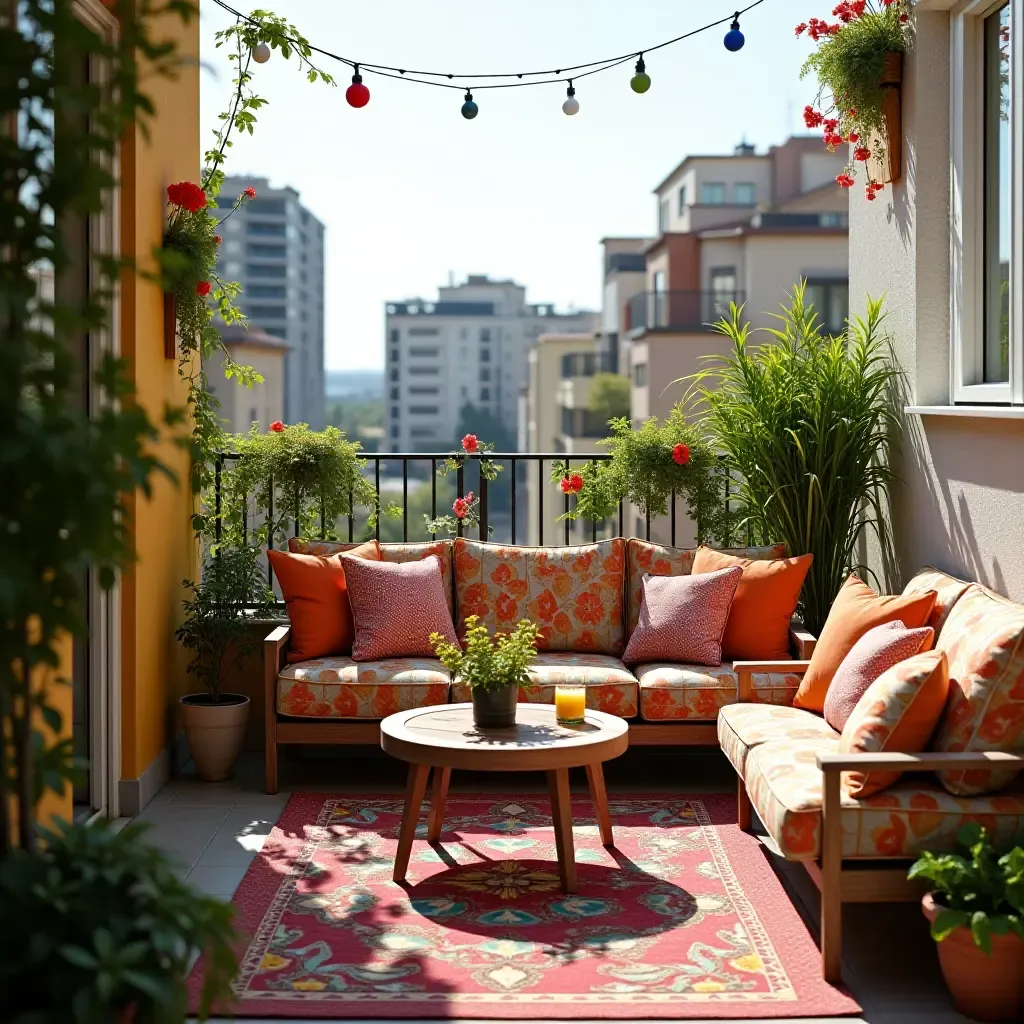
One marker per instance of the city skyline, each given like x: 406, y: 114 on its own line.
x: 409, y: 191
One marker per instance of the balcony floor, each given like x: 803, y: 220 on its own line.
x: 215, y: 831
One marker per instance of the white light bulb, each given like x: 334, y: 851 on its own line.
x: 261, y: 53
x: 571, y: 106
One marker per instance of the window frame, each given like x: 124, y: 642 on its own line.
x: 967, y: 207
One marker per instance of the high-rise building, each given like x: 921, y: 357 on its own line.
x: 274, y: 247
x: 469, y: 347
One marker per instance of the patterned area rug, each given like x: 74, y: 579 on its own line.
x: 684, y: 918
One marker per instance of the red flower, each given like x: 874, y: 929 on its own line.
x: 869, y: 193
x: 576, y: 483
x: 801, y: 28
x: 853, y: 137
x: 904, y: 18
x: 250, y: 192
x: 862, y: 153
x: 845, y: 180
x: 832, y: 139
x: 470, y: 443
x: 217, y: 239
x: 851, y: 112
x: 566, y: 484
x: 831, y: 124
x: 203, y: 288
x: 812, y: 117
x: 277, y: 427
x: 187, y: 195
x: 681, y: 454
x: 461, y: 506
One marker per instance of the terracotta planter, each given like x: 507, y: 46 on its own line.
x: 215, y: 732
x: 170, y: 326
x: 891, y: 80
x: 495, y: 709
x: 987, y: 988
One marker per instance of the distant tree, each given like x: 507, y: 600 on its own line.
x: 486, y: 426
x: 609, y: 396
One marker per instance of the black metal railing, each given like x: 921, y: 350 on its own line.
x: 503, y: 524
x: 678, y: 311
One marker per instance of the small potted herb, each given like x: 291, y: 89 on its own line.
x: 219, y: 614
x: 493, y: 668
x: 976, y: 910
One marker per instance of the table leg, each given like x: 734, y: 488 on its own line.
x: 599, y: 795
x: 415, y: 790
x: 561, y: 812
x: 442, y: 776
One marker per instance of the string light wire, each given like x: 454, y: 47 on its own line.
x: 547, y: 77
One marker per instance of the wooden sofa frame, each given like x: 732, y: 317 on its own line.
x: 838, y: 881
x: 280, y: 731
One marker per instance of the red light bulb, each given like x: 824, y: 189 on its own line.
x: 357, y: 95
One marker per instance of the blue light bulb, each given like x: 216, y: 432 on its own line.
x: 734, y: 37
x: 469, y: 108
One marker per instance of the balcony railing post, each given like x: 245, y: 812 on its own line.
x: 483, y: 506
x: 218, y: 462
x: 459, y: 481
x: 405, y: 500
x: 270, y: 527
x: 540, y: 501
x: 376, y: 485
x: 512, y: 498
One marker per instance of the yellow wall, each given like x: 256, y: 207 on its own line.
x: 152, y: 664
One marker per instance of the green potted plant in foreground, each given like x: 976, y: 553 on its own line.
x: 976, y: 910
x: 493, y: 667
x: 219, y: 614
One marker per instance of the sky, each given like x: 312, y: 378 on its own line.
x: 411, y: 192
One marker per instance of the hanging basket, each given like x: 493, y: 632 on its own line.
x: 170, y: 326
x: 887, y: 169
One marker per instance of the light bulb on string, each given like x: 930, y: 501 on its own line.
x: 641, y: 81
x: 357, y: 94
x: 734, y: 37
x: 571, y: 105
x: 261, y: 53
x: 469, y: 108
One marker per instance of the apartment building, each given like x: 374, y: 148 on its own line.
x: 274, y: 247
x: 263, y: 403
x: 466, y: 348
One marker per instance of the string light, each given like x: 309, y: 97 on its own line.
x: 734, y: 37
x: 571, y: 105
x: 641, y: 81
x: 357, y: 94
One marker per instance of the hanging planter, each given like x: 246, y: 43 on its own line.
x: 859, y: 68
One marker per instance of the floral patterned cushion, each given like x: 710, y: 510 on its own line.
x: 643, y: 557
x: 389, y: 553
x: 610, y: 685
x: 916, y: 814
x: 341, y: 688
x: 743, y: 726
x: 983, y: 638
x: 671, y: 691
x: 574, y: 593
x: 948, y: 589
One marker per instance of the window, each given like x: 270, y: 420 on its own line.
x: 485, y: 374
x: 485, y: 394
x: 723, y: 291
x: 269, y: 206
x: 485, y: 355
x: 424, y: 391
x: 395, y: 376
x: 662, y: 216
x: 712, y: 193
x: 394, y: 355
x: 395, y: 394
x: 422, y: 433
x: 831, y: 301
x: 423, y: 332
x: 744, y: 193
x: 393, y: 335
x: 277, y: 332
x: 424, y: 353
x: 260, y: 312
x: 833, y: 220
x: 485, y: 334
x: 396, y: 433
x: 255, y: 227
x: 260, y: 270
x: 423, y: 371
x: 682, y: 200
x: 270, y: 252
x: 640, y: 375
x: 424, y: 410
x: 266, y: 291
x: 395, y: 412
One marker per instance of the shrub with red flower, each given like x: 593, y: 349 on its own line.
x: 470, y: 444
x: 571, y: 483
x: 203, y: 288
x: 187, y: 195
x: 277, y: 427
x: 681, y: 454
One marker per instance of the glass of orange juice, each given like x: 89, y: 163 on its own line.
x: 570, y: 704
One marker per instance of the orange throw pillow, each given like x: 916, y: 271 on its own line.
x: 758, y: 626
x: 316, y: 594
x: 856, y: 609
x: 896, y: 715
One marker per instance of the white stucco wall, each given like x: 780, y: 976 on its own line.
x: 960, y: 502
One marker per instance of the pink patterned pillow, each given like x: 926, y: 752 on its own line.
x: 396, y: 606
x: 873, y: 654
x: 682, y: 618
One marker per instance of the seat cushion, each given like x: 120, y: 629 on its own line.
x: 574, y: 594
x: 342, y: 688
x: 983, y: 638
x: 743, y: 726
x: 915, y: 815
x: 609, y: 684
x: 696, y: 692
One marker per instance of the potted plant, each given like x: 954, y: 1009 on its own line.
x: 218, y: 616
x: 976, y: 911
x: 859, y: 67
x: 493, y: 668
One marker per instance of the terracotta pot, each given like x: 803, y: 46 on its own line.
x: 215, y: 732
x: 495, y: 709
x: 892, y: 111
x: 892, y: 69
x: 988, y: 988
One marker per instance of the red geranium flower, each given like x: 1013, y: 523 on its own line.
x: 681, y: 454
x: 277, y: 427
x: 187, y: 195
x: 470, y: 443
x: 217, y: 239
x: 576, y: 483
x: 203, y: 288
x: 845, y: 180
x: 566, y: 484
x: 862, y: 153
x: 250, y: 192
x: 801, y: 28
x: 853, y: 137
x: 869, y: 193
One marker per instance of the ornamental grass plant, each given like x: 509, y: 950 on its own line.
x: 807, y: 424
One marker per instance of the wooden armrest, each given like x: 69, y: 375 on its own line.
x: 745, y: 674
x: 924, y: 762
x: 802, y: 643
x: 278, y: 636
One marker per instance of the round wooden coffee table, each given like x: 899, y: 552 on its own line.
x: 444, y: 737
